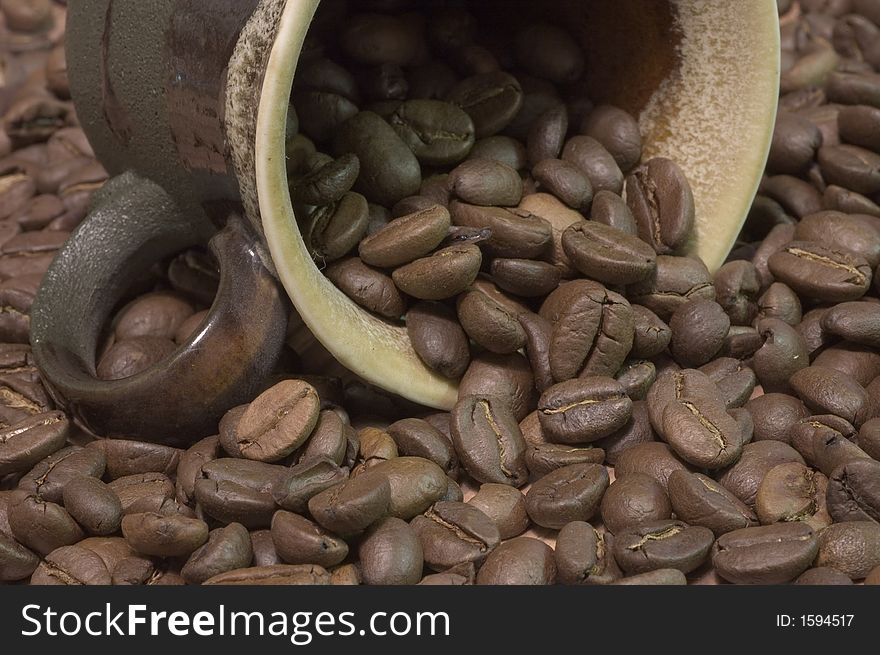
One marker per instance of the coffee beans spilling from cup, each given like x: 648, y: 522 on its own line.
x: 624, y: 416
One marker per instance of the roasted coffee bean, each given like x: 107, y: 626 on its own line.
x: 279, y: 574
x: 438, y: 133
x: 515, y: 232
x: 16, y: 298
x: 795, y: 143
x: 488, y: 440
x: 851, y: 166
x: 825, y: 390
x: 485, y: 182
x: 571, y: 493
x: 698, y: 331
x: 744, y: 478
x: 843, y: 200
x: 547, y: 134
x: 300, y: 541
x: 699, y: 500
x: 525, y: 277
x: 595, y: 162
x: 488, y: 324
x: 676, y: 281
x: 737, y: 284
x: 389, y: 170
x: 618, y: 131
x: 263, y: 548
x: 841, y: 231
x: 42, y: 526
x: 164, y: 536
x: 676, y: 384
x: 153, y: 315
x: 823, y: 575
x: 858, y: 125
x: 237, y: 490
x: 792, y: 492
x: 565, y: 181
x: 48, y: 478
x: 227, y: 549
x: 501, y: 149
x: 491, y: 99
x: 406, y: 238
x: 783, y: 354
x: 130, y: 357
x: 71, y: 565
x: 592, y: 330
x: 452, y: 533
x: 869, y: 438
x: 416, y: 484
x: 28, y: 441
x: 635, y: 431
x: 852, y: 547
x: 124, y: 457
x: 774, y: 414
x: 391, y: 554
x: 132, y: 489
x: 294, y: 487
x: 93, y: 505
x: 768, y: 554
x: 663, y: 544
x: 651, y: 336
x: 861, y: 363
x: 633, y: 499
x: 538, y: 335
x: 549, y: 52
x: 610, y: 209
x: 662, y: 203
x: 438, y: 338
x: 444, y: 274
x: 735, y: 381
x: 333, y: 230
x: 636, y: 376
x: 815, y: 271
x: 796, y: 196
x: 858, y: 322
x: 654, y: 459
x: 657, y: 577
x: 825, y: 442
x: 506, y: 507
x: 189, y: 467
x: 854, y: 491
x: 327, y: 181
x: 607, y: 254
x: 328, y: 439
x: 418, y: 438
x: 584, y: 556
x: 505, y: 375
x: 777, y: 238
x: 519, y: 561
x: 368, y: 287
x: 583, y: 410
x: 780, y: 302
x: 351, y: 506
x: 375, y: 447
x: 16, y: 561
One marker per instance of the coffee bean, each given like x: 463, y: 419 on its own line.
x: 189, y: 467
x: 438, y: 338
x: 583, y: 410
x: 519, y: 561
x: 661, y: 201
x: 699, y: 500
x: 734, y: 380
x: 652, y: 458
x: 351, y: 506
x: 418, y: 438
x: 610, y: 209
x: 594, y: 161
x: 737, y: 285
x: 547, y: 134
x: 42, y: 526
x: 444, y: 274
x: 636, y: 376
x: 375, y: 447
x: 828, y: 391
x: 227, y: 549
x: 651, y: 336
x: 368, y: 287
x: 861, y: 363
x: 792, y: 492
x: 657, y: 577
x: 852, y: 547
x: 769, y: 554
x: 783, y: 354
x: 16, y: 561
x: 854, y: 491
x: 515, y: 233
x: 858, y: 126
x: 438, y: 133
x: 795, y: 143
x: 858, y: 322
x: 607, y: 254
x: 663, y: 544
x: 635, y: 431
x: 565, y: 181
x: 676, y: 281
x: 850, y: 166
x: 452, y: 533
x: 796, y: 196
x: 300, y: 541
x: 869, y: 437
x: 406, y: 238
x: 571, y: 493
x: 592, y: 330
x: 125, y: 457
x: 326, y: 181
x: 618, y: 131
x: 774, y: 414
x: 525, y: 277
x: 391, y: 554
x: 93, y: 505
x: 489, y: 324
x: 415, y: 483
x: 279, y: 574
x: 153, y: 315
x: 635, y: 498
x: 491, y: 99
x: 698, y: 331
x: 502, y: 150
x: 48, y: 478
x: 28, y: 441
x: 841, y: 232
x: 71, y: 565
x: 584, y: 556
x: 780, y: 302
x: 485, y: 182
x: 488, y: 440
x: 825, y: 442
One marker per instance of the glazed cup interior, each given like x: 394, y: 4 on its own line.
x: 701, y: 75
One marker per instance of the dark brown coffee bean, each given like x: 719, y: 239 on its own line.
x: 438, y: 338
x: 124, y: 457
x: 279, y: 574
x: 744, y: 478
x: 652, y: 458
x: 571, y: 493
x: 42, y: 526
x: 153, y: 315
x: 662, y: 545
x: 780, y: 302
x: 769, y: 554
x: 48, y: 478
x: 452, y: 533
x: 164, y: 536
x: 491, y: 99
x: 519, y: 561
x: 698, y: 331
x: 328, y: 439
x: 189, y: 468
x: 391, y: 554
x: 840, y: 231
x: 661, y: 201
x: 618, y: 131
x: 326, y: 181
x: 595, y: 162
x: 699, y: 500
x: 796, y: 196
x: 829, y: 391
x: 278, y: 421
x: 783, y: 354
x: 635, y: 431
x: 549, y: 52
x: 227, y: 549
x: 515, y: 233
x: 839, y: 199
x: 592, y: 330
x: 416, y: 484
x: 737, y: 285
x: 300, y: 541
x: 815, y: 271
x: 583, y: 410
x: 502, y: 150
x: 444, y: 274
x: 525, y: 277
x: 852, y: 548
x: 489, y: 324
x: 130, y: 357
x: 438, y: 133
x: 71, y: 565
x: 854, y: 491
x: 633, y: 499
x: 547, y: 134
x: 331, y: 231
x: 584, y: 556
x: 293, y: 489
x: 368, y: 287
x: 485, y: 182
x: 861, y: 363
x: 488, y: 440
x: 418, y: 438
x: 610, y: 209
x: 822, y: 575
x: 735, y: 381
x: 565, y: 181
x: 851, y: 167
x: 637, y: 376
x: 16, y: 561
x: 406, y: 238
x: 16, y: 298
x: 350, y: 507
x: 506, y: 507
x: 607, y: 254
x: 858, y: 126
x: 795, y: 143
x: 676, y: 281
x: 792, y: 492
x: 651, y: 335
x: 93, y: 505
x: 28, y: 441
x: 869, y: 438
x: 774, y: 414
x: 858, y: 322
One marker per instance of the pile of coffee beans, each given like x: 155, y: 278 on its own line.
x: 624, y: 417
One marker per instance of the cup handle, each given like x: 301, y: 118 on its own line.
x: 134, y: 223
